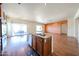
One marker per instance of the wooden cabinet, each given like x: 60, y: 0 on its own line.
x: 47, y: 46
x: 42, y: 45
x: 39, y: 46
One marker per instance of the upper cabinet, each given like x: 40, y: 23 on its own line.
x: 57, y: 27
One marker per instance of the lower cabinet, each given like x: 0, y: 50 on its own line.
x: 39, y: 46
x: 33, y: 42
x: 42, y: 45
x: 47, y: 46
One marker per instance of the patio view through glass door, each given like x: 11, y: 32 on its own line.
x: 19, y: 29
x: 18, y: 35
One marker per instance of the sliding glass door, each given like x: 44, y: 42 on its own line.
x: 4, y: 36
x: 18, y: 29
x: 19, y: 33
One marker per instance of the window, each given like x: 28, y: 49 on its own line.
x: 19, y: 29
x: 3, y: 29
x: 39, y: 29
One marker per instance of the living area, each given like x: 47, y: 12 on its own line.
x: 39, y: 29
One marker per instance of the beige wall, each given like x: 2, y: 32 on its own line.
x: 78, y: 32
x: 71, y: 28
x: 77, y: 29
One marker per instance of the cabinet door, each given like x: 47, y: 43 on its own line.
x: 40, y: 45
x: 33, y: 42
x: 47, y: 47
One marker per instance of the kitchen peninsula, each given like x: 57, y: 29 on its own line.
x: 42, y: 44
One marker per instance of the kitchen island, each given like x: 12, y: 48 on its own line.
x: 42, y: 44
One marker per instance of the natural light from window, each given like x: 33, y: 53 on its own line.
x: 39, y: 29
x: 19, y: 29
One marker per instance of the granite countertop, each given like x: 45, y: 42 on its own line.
x: 46, y: 35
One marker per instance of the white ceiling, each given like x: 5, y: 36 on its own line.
x: 40, y: 12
